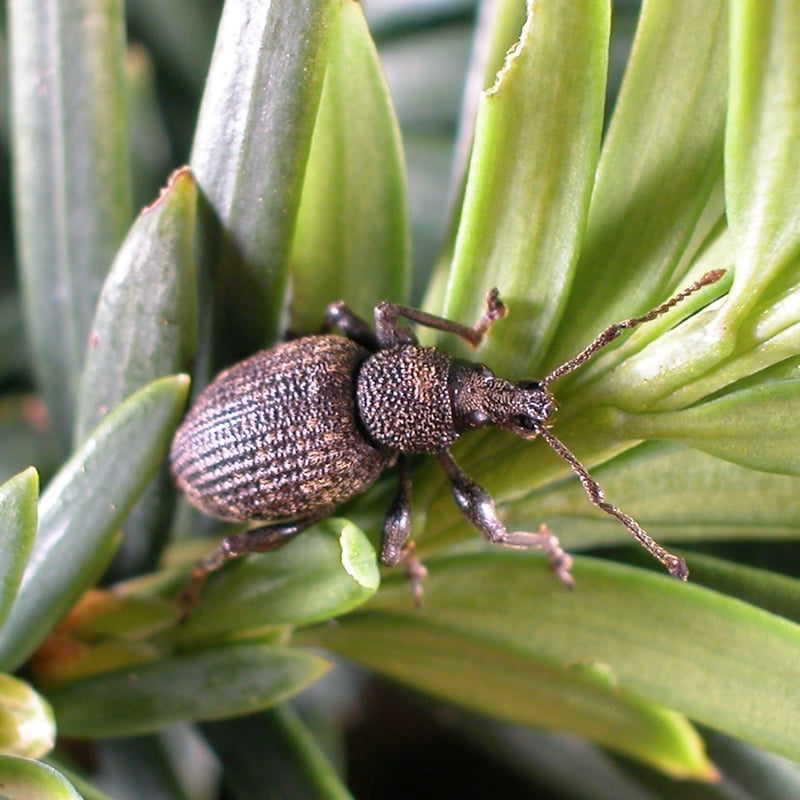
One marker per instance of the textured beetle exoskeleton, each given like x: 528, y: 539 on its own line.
x: 404, y: 399
x: 288, y: 435
x: 276, y: 436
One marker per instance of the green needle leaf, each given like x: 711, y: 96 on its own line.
x: 530, y: 178
x: 352, y: 238
x: 661, y: 158
x: 250, y: 151
x: 762, y: 159
x: 145, y: 324
x: 202, y: 685
x: 326, y: 572
x: 475, y: 670
x: 711, y: 657
x: 72, y: 176
x: 18, y: 497
x: 755, y: 427
x: 145, y: 328
x: 82, y: 508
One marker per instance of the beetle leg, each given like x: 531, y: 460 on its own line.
x: 257, y: 540
x: 390, y: 333
x: 396, y: 529
x: 478, y: 507
x: 350, y: 324
x: 397, y: 524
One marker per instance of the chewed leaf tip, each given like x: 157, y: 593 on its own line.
x: 513, y: 54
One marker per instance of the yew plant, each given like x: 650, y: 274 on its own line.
x: 276, y: 138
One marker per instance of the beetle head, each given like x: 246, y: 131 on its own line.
x: 481, y: 399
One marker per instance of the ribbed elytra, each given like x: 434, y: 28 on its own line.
x: 277, y: 435
x: 289, y: 434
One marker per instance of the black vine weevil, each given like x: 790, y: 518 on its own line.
x: 287, y: 435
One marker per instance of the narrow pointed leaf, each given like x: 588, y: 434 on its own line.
x: 82, y: 508
x: 755, y: 427
x: 18, y: 498
x: 498, y: 27
x: 762, y: 157
x: 661, y: 158
x: 713, y: 658
x: 72, y: 179
x: 250, y: 151
x: 145, y: 328
x: 536, y: 145
x: 472, y: 669
x: 203, y: 685
x: 145, y: 323
x: 352, y: 230
x: 324, y: 573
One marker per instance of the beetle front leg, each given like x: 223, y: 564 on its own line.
x: 479, y: 509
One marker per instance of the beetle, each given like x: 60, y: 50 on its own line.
x: 289, y: 434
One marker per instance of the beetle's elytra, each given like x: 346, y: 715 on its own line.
x: 289, y: 434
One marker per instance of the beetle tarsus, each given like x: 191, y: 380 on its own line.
x: 415, y: 572
x: 545, y: 540
x: 257, y: 540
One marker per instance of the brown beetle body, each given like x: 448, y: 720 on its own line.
x: 276, y: 436
x: 289, y: 434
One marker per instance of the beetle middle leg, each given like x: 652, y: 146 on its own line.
x: 477, y: 506
x: 395, y: 533
x: 257, y: 540
x: 350, y: 324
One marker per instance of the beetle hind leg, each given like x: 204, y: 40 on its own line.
x: 256, y: 540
